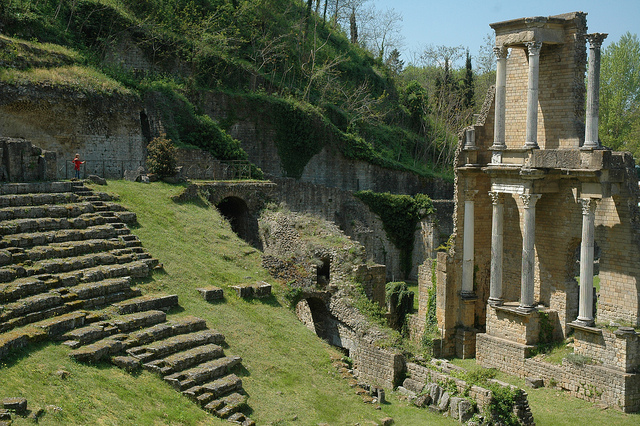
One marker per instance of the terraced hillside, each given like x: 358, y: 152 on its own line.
x: 68, y: 262
x: 66, y: 363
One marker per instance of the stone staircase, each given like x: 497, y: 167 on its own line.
x: 67, y: 264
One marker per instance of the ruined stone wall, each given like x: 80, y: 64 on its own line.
x: 377, y: 366
x: 104, y: 130
x: 329, y: 167
x: 590, y: 382
x: 619, y: 349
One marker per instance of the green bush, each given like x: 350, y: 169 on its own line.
x: 161, y: 158
x: 400, y: 215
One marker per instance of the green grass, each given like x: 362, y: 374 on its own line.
x: 553, y: 407
x: 286, y: 369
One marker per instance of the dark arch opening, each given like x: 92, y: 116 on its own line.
x: 235, y: 210
x: 146, y: 129
x: 323, y: 271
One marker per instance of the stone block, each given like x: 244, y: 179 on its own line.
x: 262, y: 289
x: 17, y: 404
x: 453, y: 407
x: 443, y: 403
x: 534, y: 382
x: 465, y: 411
x: 211, y: 293
x: 243, y: 291
x: 422, y: 401
x: 5, y: 415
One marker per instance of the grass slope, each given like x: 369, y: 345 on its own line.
x: 287, y: 370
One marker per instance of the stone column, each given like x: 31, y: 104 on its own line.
x: 501, y: 97
x: 531, y: 139
x: 468, y: 247
x: 495, y: 282
x: 528, y: 251
x: 593, y: 91
x: 585, y: 311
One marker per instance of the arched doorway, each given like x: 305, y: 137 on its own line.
x: 235, y: 210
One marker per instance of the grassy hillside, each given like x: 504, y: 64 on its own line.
x: 287, y: 371
x: 303, y: 70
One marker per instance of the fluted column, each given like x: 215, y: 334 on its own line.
x: 593, y: 91
x: 497, y: 220
x: 468, y: 247
x: 531, y: 139
x: 528, y: 251
x: 501, y: 98
x: 585, y: 311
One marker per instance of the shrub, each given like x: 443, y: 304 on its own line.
x: 161, y: 158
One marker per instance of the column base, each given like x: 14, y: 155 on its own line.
x: 531, y: 145
x: 468, y: 295
x: 590, y: 146
x: 495, y: 302
x: 526, y: 309
x: 584, y: 322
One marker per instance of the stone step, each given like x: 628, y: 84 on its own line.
x: 23, y: 200
x: 101, y: 288
x: 24, y: 287
x: 36, y: 187
x: 183, y: 360
x: 232, y: 404
x: 64, y: 265
x: 218, y: 388
x: 46, y: 210
x: 38, y: 315
x: 31, y: 239
x: 241, y: 419
x: 119, y: 324
x: 202, y: 373
x: 43, y: 224
x: 147, y: 303
x: 102, y: 301
x: 163, y: 331
x: 14, y: 255
x: 99, y: 351
x: 31, y: 304
x: 175, y: 344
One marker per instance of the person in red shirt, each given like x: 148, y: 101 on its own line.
x: 76, y: 165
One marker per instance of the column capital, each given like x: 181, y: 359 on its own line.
x: 534, y: 47
x: 470, y: 194
x: 595, y: 39
x: 496, y: 197
x: 530, y: 200
x: 588, y: 205
x: 501, y: 52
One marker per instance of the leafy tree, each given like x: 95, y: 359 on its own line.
x: 161, y: 158
x: 620, y: 94
x: 394, y: 63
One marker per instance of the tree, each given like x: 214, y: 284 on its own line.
x: 161, y: 158
x: 468, y: 84
x: 394, y: 63
x: 620, y: 93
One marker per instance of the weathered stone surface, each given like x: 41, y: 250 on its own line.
x: 100, y: 350
x: 443, y: 402
x: 243, y: 291
x: 211, y: 293
x: 97, y: 179
x: 422, y: 400
x: 147, y: 303
x: 413, y: 385
x: 202, y: 373
x: 174, y: 344
x: 186, y: 359
x: 453, y: 407
x: 262, y: 290
x: 465, y: 411
x: 127, y: 363
x: 15, y: 404
x: 534, y: 382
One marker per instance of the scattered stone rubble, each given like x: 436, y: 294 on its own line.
x: 67, y: 260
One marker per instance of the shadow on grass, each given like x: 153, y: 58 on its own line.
x: 270, y: 301
x: 175, y: 310
x: 19, y: 354
x: 240, y: 371
x: 220, y: 301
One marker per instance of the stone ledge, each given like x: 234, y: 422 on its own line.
x: 586, y: 328
x: 515, y: 310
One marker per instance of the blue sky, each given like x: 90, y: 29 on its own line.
x: 464, y: 22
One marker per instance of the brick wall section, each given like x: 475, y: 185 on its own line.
x: 377, y: 366
x: 590, y: 382
x: 560, y: 89
x: 104, y: 130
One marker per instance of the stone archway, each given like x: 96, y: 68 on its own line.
x: 235, y: 210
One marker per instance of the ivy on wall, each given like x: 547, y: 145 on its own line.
x: 400, y: 215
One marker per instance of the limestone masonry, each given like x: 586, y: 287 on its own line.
x: 536, y: 196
